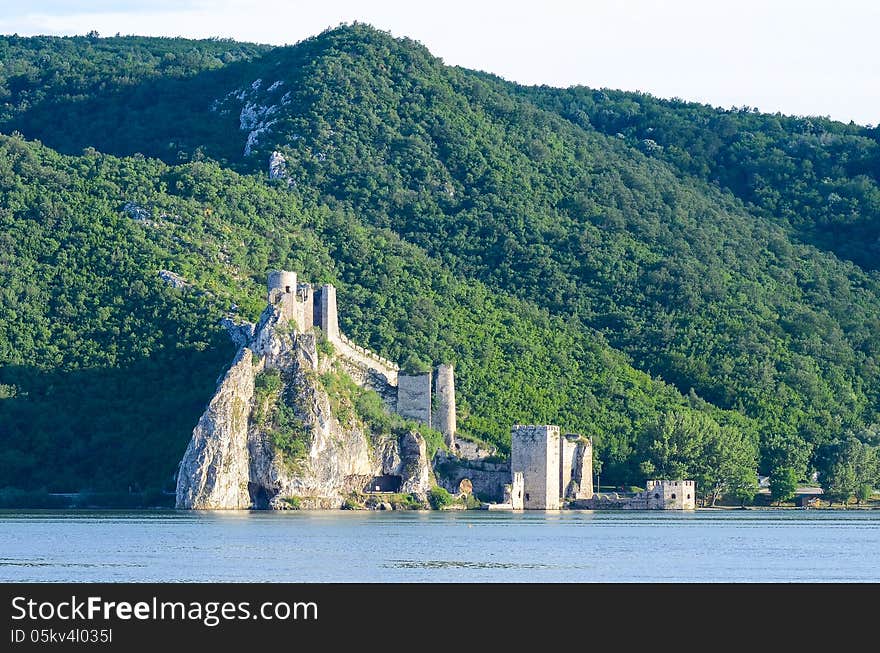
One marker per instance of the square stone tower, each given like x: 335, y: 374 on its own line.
x: 671, y: 495
x: 534, y: 452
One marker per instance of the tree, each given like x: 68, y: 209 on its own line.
x: 845, y: 467
x: 742, y: 485
x: 721, y: 460
x: 727, y: 466
x: 783, y: 484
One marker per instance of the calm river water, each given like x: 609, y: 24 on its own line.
x: 706, y: 546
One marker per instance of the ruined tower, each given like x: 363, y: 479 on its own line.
x: 534, y: 451
x: 581, y: 485
x: 411, y: 395
x: 414, y: 397
x: 293, y: 299
x: 445, y: 422
x: 280, y: 282
x: 327, y: 317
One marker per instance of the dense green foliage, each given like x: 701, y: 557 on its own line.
x: 848, y: 468
x: 817, y: 177
x: 122, y: 92
x: 783, y: 484
x: 675, y: 291
x: 439, y: 498
x: 105, y: 380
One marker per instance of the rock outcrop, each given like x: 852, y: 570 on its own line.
x: 234, y: 460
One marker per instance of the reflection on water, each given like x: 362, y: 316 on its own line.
x: 707, y: 546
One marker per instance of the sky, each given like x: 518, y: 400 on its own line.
x: 802, y: 57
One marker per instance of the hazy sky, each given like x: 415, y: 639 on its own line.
x: 796, y: 56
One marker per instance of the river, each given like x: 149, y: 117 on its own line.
x: 474, y: 546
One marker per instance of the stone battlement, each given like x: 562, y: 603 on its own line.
x: 373, y: 356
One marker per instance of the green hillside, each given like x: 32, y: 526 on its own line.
x: 592, y: 259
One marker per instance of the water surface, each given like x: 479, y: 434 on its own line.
x: 475, y: 546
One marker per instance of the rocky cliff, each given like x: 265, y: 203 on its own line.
x: 270, y: 437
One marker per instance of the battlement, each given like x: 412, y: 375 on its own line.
x: 670, y: 495
x: 381, y: 360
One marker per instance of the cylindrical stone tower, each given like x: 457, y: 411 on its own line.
x: 281, y: 281
x: 445, y: 419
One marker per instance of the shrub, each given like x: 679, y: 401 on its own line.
x: 292, y: 503
x: 439, y: 498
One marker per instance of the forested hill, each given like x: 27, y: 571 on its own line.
x: 550, y: 242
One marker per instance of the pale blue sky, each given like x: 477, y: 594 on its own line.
x: 796, y: 56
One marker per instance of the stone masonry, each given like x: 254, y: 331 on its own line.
x: 414, y: 397
x: 445, y: 393
x: 670, y: 495
x: 553, y: 467
x: 534, y: 452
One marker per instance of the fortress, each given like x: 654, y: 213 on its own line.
x: 547, y: 470
x: 413, y: 396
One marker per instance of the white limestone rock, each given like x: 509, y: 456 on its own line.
x: 232, y: 463
x: 214, y: 471
x: 277, y: 166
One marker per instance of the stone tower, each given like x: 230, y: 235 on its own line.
x: 445, y: 421
x: 581, y: 486
x: 292, y: 299
x: 414, y: 397
x: 328, y: 319
x: 281, y: 282
x: 534, y: 451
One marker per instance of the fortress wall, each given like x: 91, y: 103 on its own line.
x: 324, y: 315
x: 488, y: 480
x: 445, y: 420
x: 366, y: 359
x: 414, y: 397
x: 307, y: 318
x: 534, y: 451
x: 287, y: 304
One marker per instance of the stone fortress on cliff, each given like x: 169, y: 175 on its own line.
x: 413, y: 396
x: 546, y: 470
x: 232, y: 461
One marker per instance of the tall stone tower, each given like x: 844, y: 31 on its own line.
x: 329, y: 320
x: 445, y: 421
x: 292, y: 299
x: 534, y: 451
x: 580, y: 485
